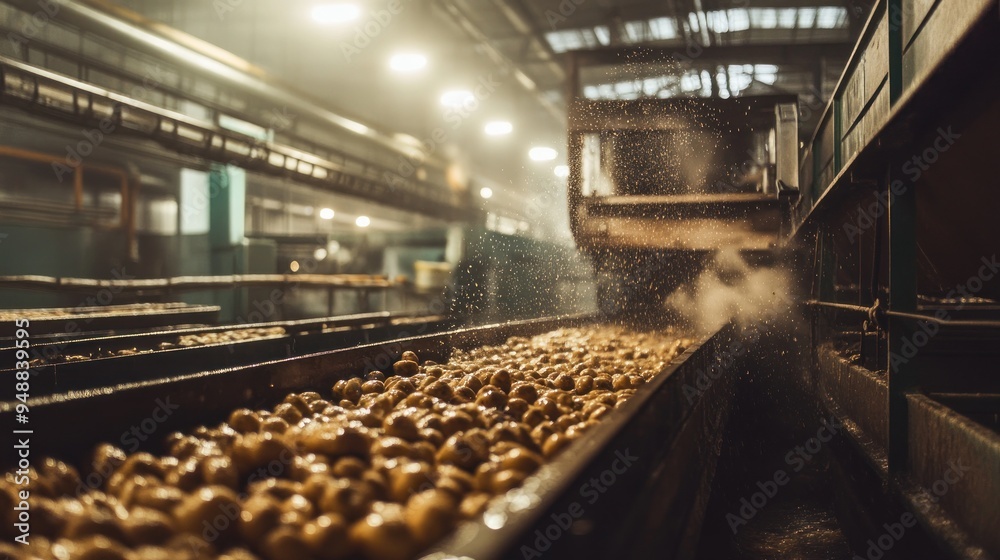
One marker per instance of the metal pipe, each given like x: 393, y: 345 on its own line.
x: 840, y: 306
x: 191, y: 136
x: 208, y: 61
x: 955, y: 323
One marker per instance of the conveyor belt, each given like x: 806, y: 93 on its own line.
x: 109, y: 318
x: 653, y: 509
x: 151, y: 362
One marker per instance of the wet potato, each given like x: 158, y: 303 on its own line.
x: 375, y: 467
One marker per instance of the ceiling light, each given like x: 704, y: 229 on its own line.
x: 293, y: 266
x: 542, y: 153
x: 319, y: 254
x: 354, y: 126
x: 486, y: 192
x: 335, y: 13
x: 363, y: 221
x: 407, y: 62
x: 561, y: 171
x: 326, y: 213
x: 498, y: 128
x: 457, y: 98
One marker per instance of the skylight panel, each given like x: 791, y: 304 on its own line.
x: 603, y: 34
x: 786, y: 18
x: 706, y: 83
x: 807, y: 18
x: 831, y: 17
x: 723, y: 84
x: 662, y: 28
x: 635, y: 31
x: 690, y: 82
x: 572, y: 39
x: 693, y: 21
x: 763, y: 18
x: 739, y: 19
x: 717, y: 21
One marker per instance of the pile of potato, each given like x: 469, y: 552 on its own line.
x: 224, y: 337
x: 374, y: 467
x: 182, y: 341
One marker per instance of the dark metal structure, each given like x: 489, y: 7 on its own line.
x: 902, y: 298
x: 42, y: 91
x: 657, y: 186
x: 893, y: 216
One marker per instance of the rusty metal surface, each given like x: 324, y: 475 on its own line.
x: 954, y: 463
x: 756, y: 233
x: 858, y: 395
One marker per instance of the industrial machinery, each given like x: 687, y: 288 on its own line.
x: 338, y: 414
x: 657, y: 186
x: 892, y: 206
x: 898, y: 217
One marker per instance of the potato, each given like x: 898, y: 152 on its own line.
x: 383, y: 468
x: 346, y: 499
x: 285, y: 543
x: 430, y: 515
x: 405, y: 368
x: 210, y: 508
x: 326, y: 537
x: 384, y: 534
x: 401, y: 424
x: 410, y: 356
x: 147, y: 526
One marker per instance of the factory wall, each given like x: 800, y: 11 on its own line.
x: 56, y: 251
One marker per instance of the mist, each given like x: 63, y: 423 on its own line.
x: 730, y: 289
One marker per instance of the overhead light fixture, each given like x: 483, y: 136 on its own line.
x: 363, y: 221
x: 542, y: 153
x: 320, y: 253
x: 498, y: 128
x: 407, y: 62
x: 457, y: 98
x: 293, y: 266
x: 354, y: 126
x: 335, y: 13
x: 326, y: 213
x: 486, y: 192
x: 561, y: 171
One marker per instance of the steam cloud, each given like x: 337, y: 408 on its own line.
x: 729, y: 289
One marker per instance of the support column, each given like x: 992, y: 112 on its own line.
x: 903, y: 368
x: 227, y: 196
x: 194, y: 255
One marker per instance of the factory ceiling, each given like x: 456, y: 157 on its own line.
x: 517, y: 44
x: 481, y: 82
